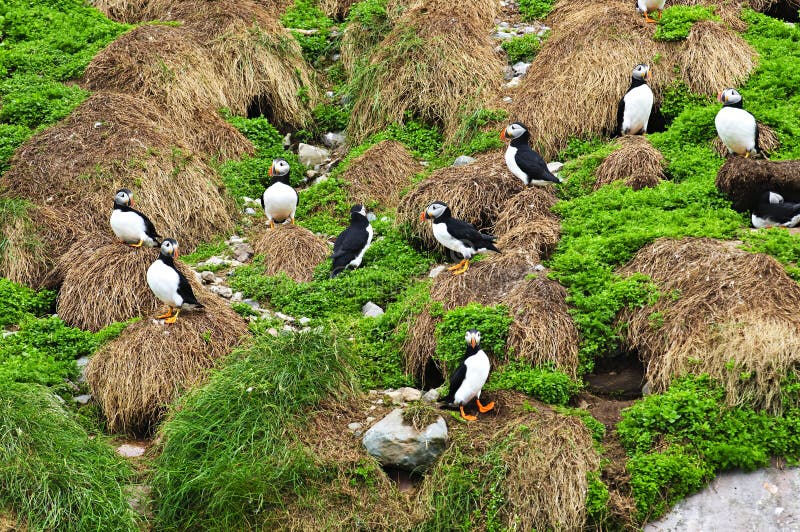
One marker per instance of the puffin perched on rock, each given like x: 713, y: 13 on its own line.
x: 522, y: 160
x: 168, y: 284
x: 648, y: 6
x: 457, y: 235
x: 353, y: 242
x: 633, y: 111
x: 736, y: 127
x: 773, y: 211
x: 468, y: 380
x: 279, y: 199
x: 132, y: 227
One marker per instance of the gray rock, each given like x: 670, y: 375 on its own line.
x: 333, y: 139
x: 370, y: 419
x: 508, y: 73
x: 462, y: 160
x: 539, y: 267
x: 235, y: 239
x: 436, y: 270
x: 431, y: 396
x: 222, y: 291
x: 252, y: 303
x: 82, y: 363
x: 250, y: 211
x: 130, y: 451
x: 354, y: 426
x: 336, y: 57
x: 394, y: 443
x: 287, y: 140
x: 371, y: 310
x: 410, y: 394
x: 83, y: 399
x: 284, y: 317
x: 304, y: 321
x: 311, y: 174
x: 555, y: 166
x: 243, y: 251
x: 520, y: 68
x: 514, y: 83
x: 215, y: 261
x: 508, y: 99
x: 207, y: 277
x: 237, y: 297
x: 396, y: 396
x: 273, y: 331
x: 312, y: 155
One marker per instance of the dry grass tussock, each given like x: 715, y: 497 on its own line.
x: 731, y: 314
x: 742, y: 180
x: 526, y: 226
x: 380, y: 174
x: 545, y: 455
x: 610, y: 38
x: 542, y: 330
x: 475, y: 193
x: 71, y: 171
x: 360, y: 38
x: 128, y: 11
x: 293, y: 250
x: 336, y: 9
x: 136, y: 376
x: 636, y: 162
x: 437, y: 63
x: 768, y: 141
x: 765, y: 5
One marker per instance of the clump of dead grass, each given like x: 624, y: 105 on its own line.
x: 293, y: 250
x: 436, y: 63
x: 336, y: 9
x: 128, y: 11
x: 542, y: 331
x: 380, y: 174
x: 475, y: 193
x: 361, y: 36
x: 136, y: 376
x: 742, y: 180
x: 731, y: 314
x: 636, y: 162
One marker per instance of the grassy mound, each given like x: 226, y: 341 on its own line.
x: 52, y: 475
x: 380, y: 174
x: 636, y: 162
x: 293, y: 250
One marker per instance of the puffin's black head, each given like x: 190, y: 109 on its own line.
x: 124, y: 198
x: 473, y: 338
x: 641, y: 72
x: 358, y: 209
x: 435, y: 210
x: 770, y: 197
x: 515, y: 131
x: 169, y: 248
x: 279, y: 169
x: 730, y: 97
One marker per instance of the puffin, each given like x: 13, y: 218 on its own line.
x: 521, y: 160
x: 279, y: 199
x: 457, y: 235
x: 353, y: 242
x: 132, y: 227
x: 648, y: 6
x: 168, y: 284
x: 736, y: 127
x: 633, y: 111
x: 468, y: 380
x: 773, y: 211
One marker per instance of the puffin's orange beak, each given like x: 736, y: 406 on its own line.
x: 177, y: 253
x: 269, y: 172
x: 472, y: 341
x: 503, y: 135
x: 649, y: 75
x: 423, y: 216
x: 130, y: 204
x: 719, y: 96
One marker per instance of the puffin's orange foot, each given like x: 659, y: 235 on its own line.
x: 456, y: 266
x: 485, y: 408
x: 272, y: 224
x: 292, y: 220
x: 137, y: 245
x: 463, y: 268
x: 167, y: 315
x: 173, y: 318
x: 649, y: 20
x: 467, y: 416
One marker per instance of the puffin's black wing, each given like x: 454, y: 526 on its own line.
x: 467, y: 233
x: 185, y: 290
x: 532, y: 164
x: 455, y: 382
x: 149, y: 228
x: 620, y: 115
x: 347, y: 246
x: 758, y: 147
x: 779, y: 212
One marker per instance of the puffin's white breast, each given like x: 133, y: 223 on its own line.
x: 638, y: 104
x: 477, y: 372
x: 356, y: 262
x: 651, y: 5
x: 511, y: 162
x: 128, y: 226
x: 163, y: 281
x: 280, y: 201
x: 449, y: 241
x: 737, y: 129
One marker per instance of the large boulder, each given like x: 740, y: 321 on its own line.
x: 394, y: 443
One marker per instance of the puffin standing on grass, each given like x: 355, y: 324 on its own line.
x: 132, y: 227
x: 457, y: 235
x: 468, y: 380
x: 168, y: 284
x: 773, y: 211
x: 648, y: 6
x: 736, y: 127
x: 279, y: 199
x: 353, y: 242
x: 522, y: 161
x: 633, y: 112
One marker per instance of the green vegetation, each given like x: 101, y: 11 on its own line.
x: 470, y: 137
x: 305, y: 15
x: 676, y: 97
x: 544, y: 383
x: 597, y: 501
x: 531, y: 10
x: 677, y: 21
x: 597, y: 429
x: 229, y: 452
x: 52, y: 475
x: 779, y: 243
x: 205, y: 251
x: 371, y: 14
x: 18, y: 302
x: 492, y: 322
x: 677, y: 440
x: 522, y: 48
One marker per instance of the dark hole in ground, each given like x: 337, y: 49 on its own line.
x: 784, y: 11
x: 260, y: 107
x: 405, y: 480
x: 620, y: 377
x: 431, y: 376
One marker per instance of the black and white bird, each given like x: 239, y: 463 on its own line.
x: 736, y: 127
x: 279, y: 199
x: 468, y: 380
x: 353, y: 242
x: 457, y: 235
x: 522, y: 160
x: 131, y: 226
x: 633, y: 111
x: 773, y: 211
x: 648, y: 6
x: 168, y: 284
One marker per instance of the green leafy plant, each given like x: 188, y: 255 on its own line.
x: 677, y: 21
x: 523, y: 48
x: 535, y: 9
x: 492, y: 322
x: 544, y: 383
x: 305, y: 15
x: 18, y: 301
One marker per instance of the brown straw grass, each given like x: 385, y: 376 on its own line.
x: 293, y: 250
x: 635, y: 162
x: 336, y: 9
x: 768, y: 141
x: 109, y: 142
x: 437, y: 63
x: 136, y: 376
x: 475, y: 193
x: 359, y: 38
x: 128, y: 11
x: 736, y: 317
x: 542, y: 330
x: 380, y: 174
x: 742, y: 180
x: 714, y: 57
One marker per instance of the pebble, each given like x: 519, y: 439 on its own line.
x: 370, y: 419
x: 235, y: 239
x: 333, y: 139
x: 354, y: 426
x: 507, y: 99
x: 431, y: 396
x: 508, y: 73
x: 237, y: 297
x: 83, y: 399
x: 130, y: 451
x: 371, y: 310
x: 250, y: 211
x: 284, y: 317
x: 539, y: 267
x: 242, y: 251
x: 514, y: 83
x: 222, y: 291
x: 273, y: 331
x: 207, y: 277
x: 304, y: 321
x: 462, y: 160
x: 520, y: 68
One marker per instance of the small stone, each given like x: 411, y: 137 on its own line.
x: 273, y: 331
x: 222, y: 291
x: 283, y: 317
x: 462, y: 160
x: 83, y: 399
x: 215, y: 261
x: 304, y: 321
x: 514, y: 83
x: 555, y: 166
x: 354, y: 426
x: 503, y: 25
x: 371, y: 217
x: 336, y: 57
x: 508, y: 99
x: 395, y: 396
x: 82, y: 363
x: 333, y: 139
x: 247, y: 200
x: 98, y: 125
x: 234, y: 239
x: 311, y: 155
x: 371, y: 310
x: 520, y: 68
x: 288, y: 328
x: 370, y: 419
x: 243, y: 251
x: 436, y: 270
x: 287, y: 140
x: 250, y: 211
x: 508, y: 73
x: 207, y: 277
x: 237, y: 297
x: 410, y: 394
x: 130, y: 451
x: 539, y: 267
x: 311, y: 174
x: 431, y: 396
x: 329, y: 94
